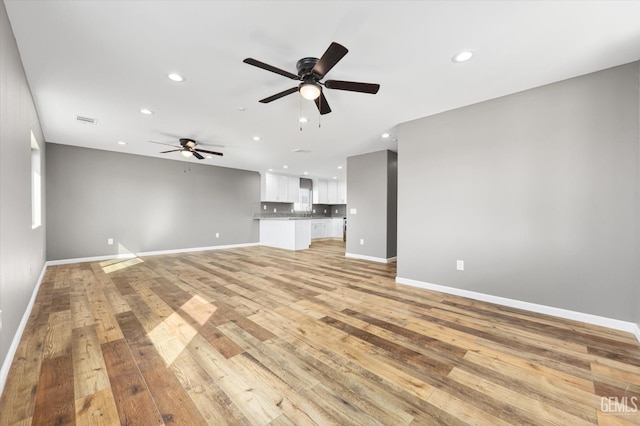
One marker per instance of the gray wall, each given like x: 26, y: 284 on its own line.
x: 21, y: 248
x: 368, y: 186
x: 537, y: 192
x: 143, y: 203
x: 392, y: 204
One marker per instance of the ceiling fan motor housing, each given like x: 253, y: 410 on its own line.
x: 304, y: 67
x: 187, y: 143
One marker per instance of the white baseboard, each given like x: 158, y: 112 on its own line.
x: 370, y: 258
x: 615, y: 324
x: 6, y: 365
x: 146, y: 253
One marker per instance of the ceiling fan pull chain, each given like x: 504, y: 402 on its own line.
x: 300, y: 114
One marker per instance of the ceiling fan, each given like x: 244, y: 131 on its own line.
x: 310, y: 72
x: 188, y: 148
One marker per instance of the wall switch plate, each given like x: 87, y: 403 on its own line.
x: 353, y: 211
x: 460, y: 265
x: 361, y: 241
x: 110, y: 241
x: 217, y: 235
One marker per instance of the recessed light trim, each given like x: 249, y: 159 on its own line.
x: 285, y: 167
x: 175, y: 77
x: 463, y: 56
x: 339, y: 167
x: 385, y: 135
x: 302, y: 119
x: 256, y: 138
x: 269, y: 170
x: 146, y: 111
x: 305, y: 173
x: 122, y: 143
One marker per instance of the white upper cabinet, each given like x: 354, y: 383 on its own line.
x: 279, y: 188
x: 332, y: 192
x: 320, y: 191
x: 342, y: 192
x: 329, y: 191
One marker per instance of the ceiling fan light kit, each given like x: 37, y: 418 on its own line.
x: 310, y: 72
x: 310, y: 91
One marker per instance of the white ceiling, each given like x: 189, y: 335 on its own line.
x: 109, y: 59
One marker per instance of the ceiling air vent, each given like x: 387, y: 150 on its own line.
x: 301, y: 151
x: 86, y: 120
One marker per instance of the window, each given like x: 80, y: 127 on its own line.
x: 36, y: 184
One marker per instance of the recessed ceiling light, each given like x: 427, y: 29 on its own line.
x: 241, y: 108
x: 285, y: 167
x: 122, y: 143
x: 176, y: 77
x: 256, y: 138
x: 385, y: 135
x: 462, y: 56
x: 339, y: 167
x: 305, y: 173
x: 302, y: 119
x: 270, y: 170
x: 335, y: 177
x: 146, y: 111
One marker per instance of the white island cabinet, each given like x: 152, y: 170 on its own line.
x: 285, y: 233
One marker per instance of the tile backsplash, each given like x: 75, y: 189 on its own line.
x: 323, y: 210
x: 330, y: 210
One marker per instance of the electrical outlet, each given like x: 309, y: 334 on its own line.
x: 361, y: 241
x: 460, y: 265
x: 264, y: 207
x: 275, y: 210
x: 336, y: 210
x: 110, y: 241
x: 217, y: 235
x: 325, y: 210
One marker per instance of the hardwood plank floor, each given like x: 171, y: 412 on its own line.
x: 261, y: 336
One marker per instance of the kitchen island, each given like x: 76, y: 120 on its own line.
x: 291, y: 233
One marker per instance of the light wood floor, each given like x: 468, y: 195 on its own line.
x: 257, y: 336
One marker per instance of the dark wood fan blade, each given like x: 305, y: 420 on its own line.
x: 271, y: 68
x: 208, y: 152
x: 173, y: 150
x: 352, y: 86
x: 322, y: 104
x: 167, y: 144
x: 198, y: 156
x: 278, y: 95
x: 334, y: 53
